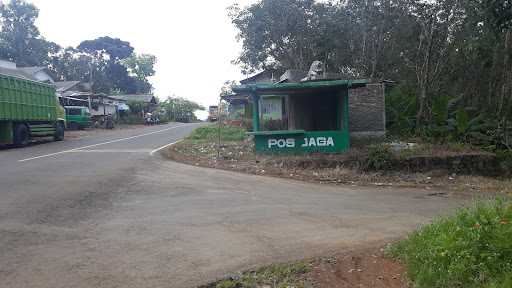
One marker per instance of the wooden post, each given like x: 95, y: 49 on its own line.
x: 219, y: 127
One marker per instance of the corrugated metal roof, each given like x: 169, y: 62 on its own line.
x: 136, y: 97
x: 295, y: 87
x: 65, y: 85
x: 31, y: 70
x: 17, y: 73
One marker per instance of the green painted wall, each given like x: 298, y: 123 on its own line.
x: 302, y: 142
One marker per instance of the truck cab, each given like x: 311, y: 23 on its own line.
x: 78, y: 117
x: 213, y: 113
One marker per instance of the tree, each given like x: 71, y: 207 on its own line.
x: 181, y: 109
x: 438, y: 50
x: 109, y: 63
x: 107, y: 74
x: 436, y: 22
x: 115, y: 68
x: 141, y: 67
x: 71, y: 64
x: 227, y: 88
x: 274, y: 33
x: 113, y: 49
x: 20, y: 40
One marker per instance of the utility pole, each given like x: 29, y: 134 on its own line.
x: 169, y: 108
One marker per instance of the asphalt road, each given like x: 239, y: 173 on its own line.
x: 103, y: 212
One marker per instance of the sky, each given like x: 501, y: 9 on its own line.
x: 194, y: 41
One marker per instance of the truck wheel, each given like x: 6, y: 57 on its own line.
x: 59, y: 132
x: 21, y: 135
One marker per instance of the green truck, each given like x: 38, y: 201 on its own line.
x: 29, y: 109
x: 78, y: 117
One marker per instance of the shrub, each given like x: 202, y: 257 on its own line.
x: 473, y: 248
x: 132, y: 119
x: 379, y: 158
x: 279, y: 276
x: 401, y: 110
x: 211, y: 133
x: 505, y: 159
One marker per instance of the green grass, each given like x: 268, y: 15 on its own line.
x: 278, y: 276
x: 211, y: 133
x: 473, y: 248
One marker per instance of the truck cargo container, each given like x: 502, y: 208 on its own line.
x: 29, y: 109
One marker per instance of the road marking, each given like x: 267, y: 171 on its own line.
x: 99, y: 144
x: 113, y: 151
x: 163, y: 147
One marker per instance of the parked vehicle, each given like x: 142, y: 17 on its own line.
x: 213, y: 113
x: 78, y: 117
x: 29, y: 109
x: 151, y: 119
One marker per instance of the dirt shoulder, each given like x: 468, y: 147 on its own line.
x: 330, y: 169
x: 363, y: 268
x: 367, y: 267
x: 88, y: 132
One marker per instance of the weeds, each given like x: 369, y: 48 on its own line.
x: 470, y: 249
x: 211, y: 133
x: 379, y: 158
x: 278, y: 276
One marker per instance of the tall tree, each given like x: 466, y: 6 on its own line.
x: 274, y: 33
x: 107, y: 73
x: 141, y: 67
x: 20, y: 40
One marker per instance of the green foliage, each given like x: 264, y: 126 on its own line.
x: 132, y: 119
x: 505, y: 282
x: 20, y: 40
x: 470, y: 249
x: 379, y: 158
x: 453, y: 59
x: 211, y: 133
x: 136, y: 107
x: 401, y: 110
x: 180, y: 109
x: 98, y: 61
x: 110, y: 69
x: 279, y: 276
x: 114, y: 48
x: 141, y: 67
x: 504, y: 157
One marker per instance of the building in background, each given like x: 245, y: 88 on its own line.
x: 40, y: 74
x: 367, y: 115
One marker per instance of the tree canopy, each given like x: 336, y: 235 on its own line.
x: 437, y: 51
x: 20, y: 40
x: 110, y: 64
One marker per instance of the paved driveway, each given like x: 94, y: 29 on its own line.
x: 103, y: 212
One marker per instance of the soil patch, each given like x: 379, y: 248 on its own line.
x: 344, y: 168
x: 88, y: 132
x: 362, y: 268
x: 367, y: 268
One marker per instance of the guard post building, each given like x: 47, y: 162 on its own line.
x: 315, y: 115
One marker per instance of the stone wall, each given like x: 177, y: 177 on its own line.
x: 367, y: 111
